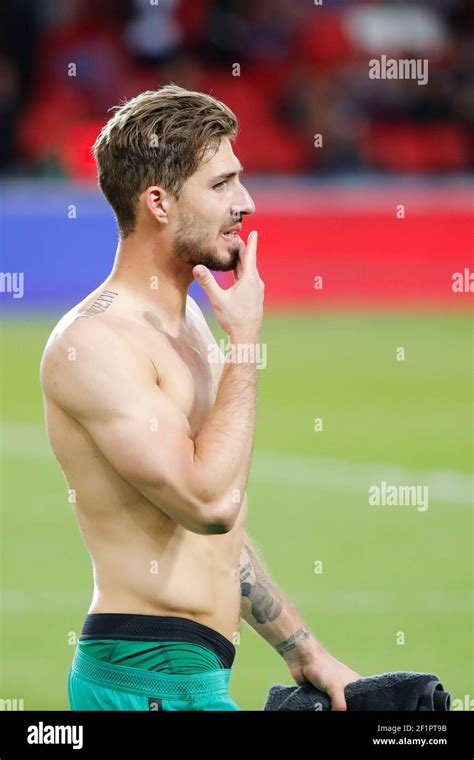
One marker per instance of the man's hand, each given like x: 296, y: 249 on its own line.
x: 239, y: 309
x: 325, y: 673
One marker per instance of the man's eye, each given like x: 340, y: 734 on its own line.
x: 220, y: 184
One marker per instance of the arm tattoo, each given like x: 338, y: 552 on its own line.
x: 291, y: 642
x: 255, y: 584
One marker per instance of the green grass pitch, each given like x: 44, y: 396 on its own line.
x: 395, y: 591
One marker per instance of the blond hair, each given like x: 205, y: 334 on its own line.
x: 157, y: 138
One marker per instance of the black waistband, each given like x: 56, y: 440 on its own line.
x: 117, y: 625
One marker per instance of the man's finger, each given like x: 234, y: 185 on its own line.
x: 249, y: 259
x: 237, y: 271
x: 338, y: 701
x: 206, y: 280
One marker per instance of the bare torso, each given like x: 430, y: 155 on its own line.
x: 143, y: 561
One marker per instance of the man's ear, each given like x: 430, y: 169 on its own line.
x: 157, y: 202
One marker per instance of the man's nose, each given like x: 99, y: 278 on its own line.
x: 243, y: 205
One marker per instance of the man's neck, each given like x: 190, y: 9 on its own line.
x: 155, y: 277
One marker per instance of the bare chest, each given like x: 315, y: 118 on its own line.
x: 188, y: 378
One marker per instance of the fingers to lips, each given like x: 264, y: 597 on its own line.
x: 249, y: 260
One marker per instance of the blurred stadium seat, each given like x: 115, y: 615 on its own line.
x: 303, y: 70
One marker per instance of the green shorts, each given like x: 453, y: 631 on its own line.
x: 148, y: 662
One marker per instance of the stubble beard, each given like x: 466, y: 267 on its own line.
x: 191, y: 247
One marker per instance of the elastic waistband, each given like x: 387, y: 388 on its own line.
x: 117, y: 625
x: 149, y: 682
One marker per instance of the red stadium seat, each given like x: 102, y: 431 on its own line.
x: 74, y: 149
x: 264, y: 143
x: 44, y: 119
x: 408, y: 147
x: 324, y: 42
x: 192, y: 18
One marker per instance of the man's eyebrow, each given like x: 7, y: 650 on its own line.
x: 227, y: 175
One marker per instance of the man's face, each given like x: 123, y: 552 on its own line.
x: 212, y: 201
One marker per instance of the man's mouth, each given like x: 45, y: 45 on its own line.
x: 231, y: 234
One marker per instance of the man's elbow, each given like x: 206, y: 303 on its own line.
x: 217, y: 529
x: 217, y: 519
x: 205, y: 512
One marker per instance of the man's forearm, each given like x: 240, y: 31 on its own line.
x: 223, y: 446
x: 264, y: 607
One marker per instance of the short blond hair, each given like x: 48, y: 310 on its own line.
x: 157, y: 138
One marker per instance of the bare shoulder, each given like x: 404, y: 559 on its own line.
x: 76, y: 330
x: 80, y: 344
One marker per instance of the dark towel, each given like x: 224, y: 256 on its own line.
x: 387, y: 691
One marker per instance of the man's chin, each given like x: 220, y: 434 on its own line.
x: 219, y: 258
x: 230, y: 258
x: 227, y: 266
x: 222, y: 262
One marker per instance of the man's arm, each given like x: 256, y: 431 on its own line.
x: 265, y: 608
x: 111, y: 390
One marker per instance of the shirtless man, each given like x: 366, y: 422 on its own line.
x: 154, y: 439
